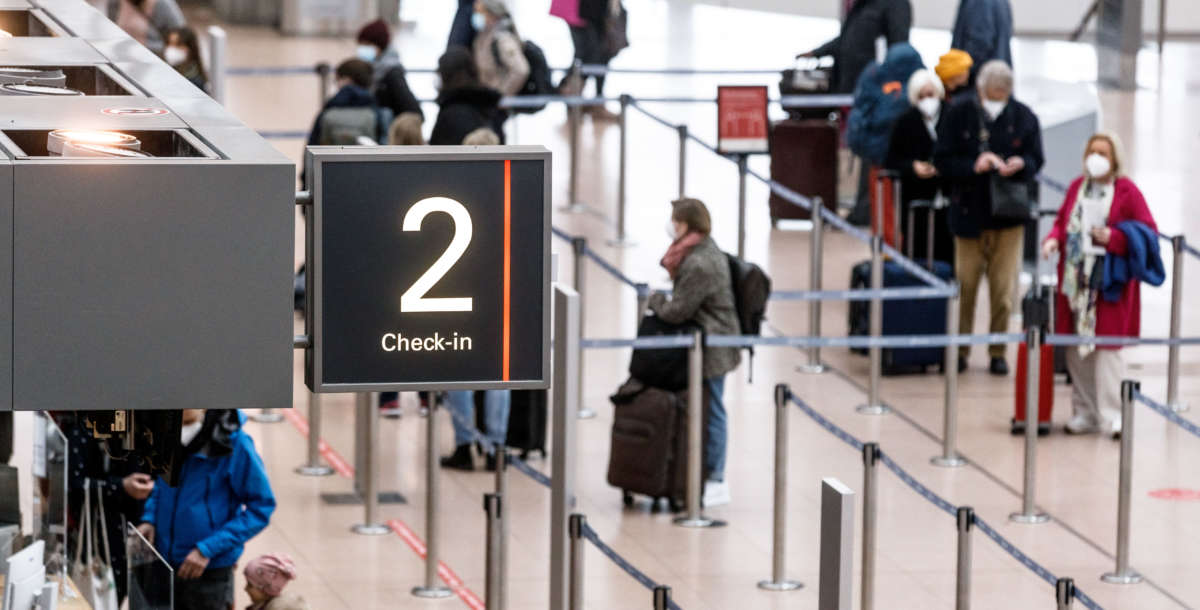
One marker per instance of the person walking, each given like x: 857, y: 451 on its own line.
x: 984, y: 140
x: 984, y: 29
x: 854, y: 48
x: 499, y: 54
x: 1104, y: 219
x: 465, y: 103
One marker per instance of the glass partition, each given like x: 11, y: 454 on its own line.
x: 151, y: 579
x: 49, y: 509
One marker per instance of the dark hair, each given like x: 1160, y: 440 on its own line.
x: 693, y: 213
x: 358, y: 71
x: 456, y: 67
x: 189, y: 40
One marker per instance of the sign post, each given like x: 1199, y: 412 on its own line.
x: 742, y: 125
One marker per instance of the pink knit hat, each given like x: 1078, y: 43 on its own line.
x: 271, y: 573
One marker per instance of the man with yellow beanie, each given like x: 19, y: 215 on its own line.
x: 954, y: 68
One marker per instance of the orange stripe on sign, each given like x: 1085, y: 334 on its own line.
x: 506, y: 346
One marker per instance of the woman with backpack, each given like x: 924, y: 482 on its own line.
x: 499, y: 54
x: 703, y: 294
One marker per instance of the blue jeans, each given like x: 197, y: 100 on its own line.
x: 461, y: 404
x: 715, y: 429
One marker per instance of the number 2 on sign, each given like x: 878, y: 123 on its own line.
x: 414, y: 299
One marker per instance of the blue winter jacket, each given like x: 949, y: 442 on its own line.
x: 220, y: 504
x: 1141, y: 263
x: 879, y: 100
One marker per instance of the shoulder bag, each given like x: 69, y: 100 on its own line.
x: 1012, y: 197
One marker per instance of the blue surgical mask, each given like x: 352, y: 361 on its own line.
x: 478, y: 21
x: 366, y: 52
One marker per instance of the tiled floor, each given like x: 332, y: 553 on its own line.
x: 717, y: 569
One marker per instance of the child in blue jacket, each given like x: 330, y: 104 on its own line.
x: 223, y: 500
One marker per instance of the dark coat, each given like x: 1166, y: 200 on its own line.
x: 351, y: 96
x: 880, y: 99
x: 854, y: 49
x: 461, y: 32
x: 911, y: 142
x: 391, y: 86
x: 464, y: 110
x: 1016, y: 132
x: 595, y: 12
x: 984, y: 28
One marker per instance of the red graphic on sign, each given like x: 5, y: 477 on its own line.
x: 1176, y: 494
x: 136, y: 111
x: 742, y: 119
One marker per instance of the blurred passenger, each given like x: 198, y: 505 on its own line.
x: 466, y: 104
x: 588, y: 20
x: 266, y: 577
x: 910, y: 152
x: 984, y: 29
x: 954, y: 68
x: 406, y: 131
x: 703, y: 293
x: 351, y: 114
x: 482, y: 137
x: 147, y: 20
x: 499, y: 54
x: 461, y: 404
x: 183, y: 53
x: 987, y: 137
x: 1103, y: 223
x: 854, y: 49
x: 389, y: 81
x: 223, y: 500
x: 462, y: 34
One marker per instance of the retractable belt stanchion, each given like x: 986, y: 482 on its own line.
x: 779, y: 580
x: 431, y: 589
x: 815, y: 254
x: 492, y: 506
x: 563, y: 426
x: 643, y: 303
x: 870, y: 453
x: 1033, y: 343
x: 683, y: 138
x: 874, y: 405
x: 371, y: 525
x: 579, y: 246
x: 662, y: 597
x: 950, y: 457
x: 313, y: 467
x: 962, y: 596
x: 621, y: 175
x: 574, y: 118
x: 742, y: 161
x: 502, y: 458
x: 1064, y: 593
x: 1177, y: 247
x: 577, y: 547
x: 695, y: 447
x: 1124, y: 575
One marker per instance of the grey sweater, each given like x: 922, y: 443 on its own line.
x: 704, y: 293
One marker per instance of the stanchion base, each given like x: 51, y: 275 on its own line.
x: 948, y: 462
x: 586, y: 413
x: 314, y: 471
x: 266, y: 418
x: 872, y: 409
x: 1033, y: 519
x: 432, y: 592
x: 783, y: 585
x: 698, y: 523
x: 621, y: 243
x: 811, y: 369
x: 1129, y: 578
x: 370, y: 530
x: 1179, y: 407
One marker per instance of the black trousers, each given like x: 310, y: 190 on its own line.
x: 212, y: 591
x: 591, y: 48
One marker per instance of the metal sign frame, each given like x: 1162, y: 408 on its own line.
x: 317, y: 157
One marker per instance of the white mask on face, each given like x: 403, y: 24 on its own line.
x: 670, y: 228
x: 189, y: 432
x: 994, y: 107
x: 1098, y: 166
x: 175, y: 55
x: 929, y: 106
x: 366, y: 52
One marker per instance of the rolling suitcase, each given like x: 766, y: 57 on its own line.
x: 902, y: 317
x: 809, y: 76
x: 1045, y: 389
x: 804, y: 158
x: 649, y: 437
x: 885, y: 206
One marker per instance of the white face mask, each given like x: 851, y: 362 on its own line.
x: 670, y: 228
x: 366, y: 52
x: 1098, y: 166
x: 994, y: 107
x: 929, y: 106
x: 175, y: 55
x: 189, y: 431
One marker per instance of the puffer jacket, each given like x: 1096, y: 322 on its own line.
x: 703, y: 293
x: 880, y: 100
x: 465, y: 109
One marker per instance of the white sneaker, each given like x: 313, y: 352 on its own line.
x: 1114, y: 428
x: 716, y: 493
x: 1082, y: 423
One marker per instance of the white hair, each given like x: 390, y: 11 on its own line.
x: 995, y: 73
x: 917, y: 82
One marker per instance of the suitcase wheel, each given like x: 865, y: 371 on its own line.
x: 676, y: 505
x: 626, y: 498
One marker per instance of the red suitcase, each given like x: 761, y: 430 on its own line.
x: 804, y: 158
x: 885, y: 206
x: 1045, y: 389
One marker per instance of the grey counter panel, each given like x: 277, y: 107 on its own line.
x: 160, y: 285
x: 6, y: 270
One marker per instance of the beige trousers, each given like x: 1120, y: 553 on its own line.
x: 1096, y: 383
x: 998, y: 254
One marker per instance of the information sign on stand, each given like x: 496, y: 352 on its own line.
x: 742, y: 119
x: 429, y: 268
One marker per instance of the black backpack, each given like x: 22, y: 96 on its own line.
x: 751, y: 290
x: 538, y: 82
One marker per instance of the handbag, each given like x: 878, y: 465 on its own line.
x: 665, y: 369
x: 615, y: 30
x: 1012, y: 198
x: 91, y: 573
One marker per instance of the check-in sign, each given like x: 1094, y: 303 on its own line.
x: 428, y: 268
x: 742, y: 119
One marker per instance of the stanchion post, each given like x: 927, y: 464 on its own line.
x: 621, y: 169
x: 950, y: 457
x: 218, y: 62
x: 577, y: 523
x: 502, y: 459
x: 431, y: 589
x: 579, y: 246
x: 1064, y: 593
x: 870, y: 452
x: 371, y: 525
x: 695, y: 427
x: 563, y: 426
x: 1124, y: 575
x: 324, y: 78
x: 816, y: 262
x: 1033, y: 343
x: 874, y: 405
x: 662, y: 597
x: 313, y: 467
x: 743, y: 168
x: 643, y: 303
x: 1173, y: 401
x: 683, y: 138
x: 779, y: 581
x: 574, y: 118
x: 492, y: 506
x: 966, y: 520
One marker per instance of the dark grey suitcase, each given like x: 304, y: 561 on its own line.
x: 649, y: 438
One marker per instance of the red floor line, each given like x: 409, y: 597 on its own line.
x: 339, y: 464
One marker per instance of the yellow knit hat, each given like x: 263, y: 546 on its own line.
x: 952, y: 64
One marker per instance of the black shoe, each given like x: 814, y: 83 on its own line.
x: 491, y: 461
x: 460, y: 459
x: 962, y: 364
x: 998, y: 367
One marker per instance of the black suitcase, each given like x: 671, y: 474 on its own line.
x: 527, y: 415
x: 902, y: 317
x: 649, y: 440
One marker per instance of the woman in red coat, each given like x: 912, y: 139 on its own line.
x: 1087, y: 230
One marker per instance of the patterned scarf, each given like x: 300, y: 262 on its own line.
x: 1079, y: 266
x: 679, y: 251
